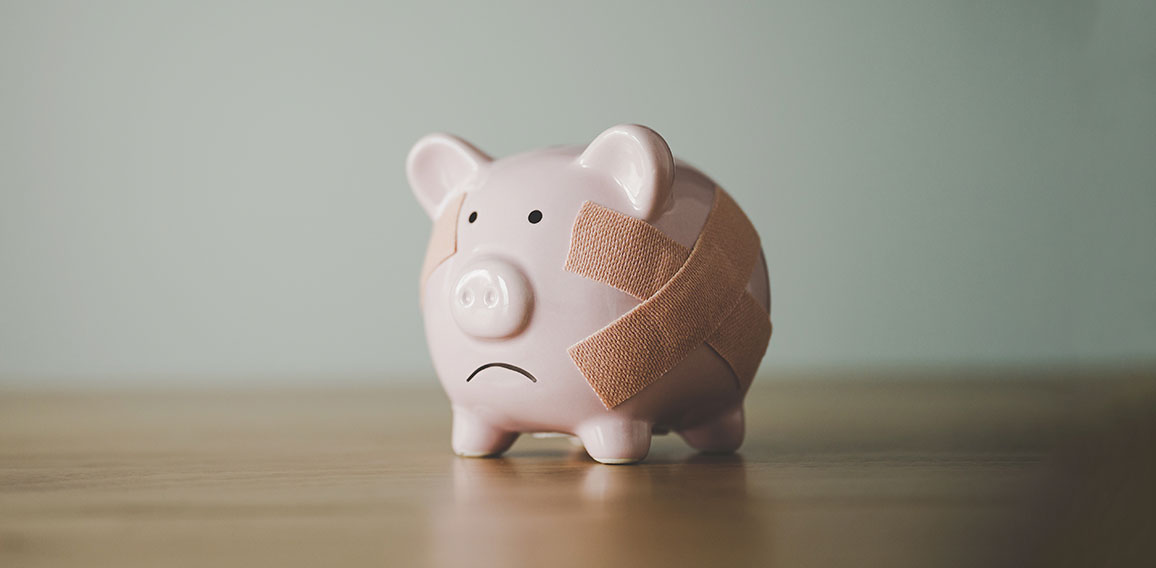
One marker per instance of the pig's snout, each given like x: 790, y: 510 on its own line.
x: 492, y: 299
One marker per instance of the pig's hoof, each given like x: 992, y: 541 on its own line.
x: 617, y: 461
x: 616, y: 441
x: 722, y: 435
x: 482, y: 454
x: 475, y: 438
x: 484, y: 449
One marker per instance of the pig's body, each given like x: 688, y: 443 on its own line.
x: 537, y: 387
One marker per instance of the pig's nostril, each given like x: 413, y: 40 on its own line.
x: 490, y: 298
x: 466, y: 298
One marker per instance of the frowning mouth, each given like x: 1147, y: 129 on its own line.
x: 513, y: 368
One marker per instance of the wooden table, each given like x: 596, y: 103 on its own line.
x: 984, y: 469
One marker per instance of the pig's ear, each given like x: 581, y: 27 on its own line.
x: 438, y: 165
x: 639, y: 160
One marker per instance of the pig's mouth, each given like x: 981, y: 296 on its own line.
x: 513, y: 368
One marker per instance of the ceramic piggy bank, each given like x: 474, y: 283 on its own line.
x: 608, y: 292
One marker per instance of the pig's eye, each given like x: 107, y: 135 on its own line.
x: 473, y: 216
x: 535, y: 216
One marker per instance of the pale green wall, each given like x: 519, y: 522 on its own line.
x: 205, y: 193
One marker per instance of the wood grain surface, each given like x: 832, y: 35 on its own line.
x: 994, y: 469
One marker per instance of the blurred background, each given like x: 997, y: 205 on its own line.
x: 214, y: 192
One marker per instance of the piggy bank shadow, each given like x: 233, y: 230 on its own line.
x: 574, y: 511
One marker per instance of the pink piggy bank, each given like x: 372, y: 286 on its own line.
x: 607, y: 292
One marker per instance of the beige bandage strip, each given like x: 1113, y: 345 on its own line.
x: 443, y: 240
x: 689, y: 296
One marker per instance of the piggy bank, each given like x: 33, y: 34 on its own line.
x: 606, y: 292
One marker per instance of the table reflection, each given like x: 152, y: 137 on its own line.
x: 552, y: 510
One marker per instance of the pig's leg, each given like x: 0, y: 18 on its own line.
x: 616, y: 440
x: 719, y: 435
x: 473, y: 437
